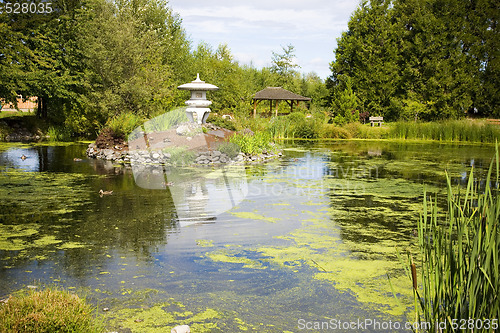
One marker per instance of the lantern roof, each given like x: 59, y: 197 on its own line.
x: 197, y: 85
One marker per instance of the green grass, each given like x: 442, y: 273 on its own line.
x: 9, y: 114
x: 253, y: 144
x: 459, y: 255
x: 47, y: 311
x: 296, y: 126
x: 450, y: 130
x: 180, y: 155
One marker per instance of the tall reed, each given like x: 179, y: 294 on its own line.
x: 449, y: 130
x: 459, y: 258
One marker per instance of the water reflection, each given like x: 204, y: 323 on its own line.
x: 331, y: 203
x: 199, y: 193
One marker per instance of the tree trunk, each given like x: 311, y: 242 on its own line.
x: 42, y: 107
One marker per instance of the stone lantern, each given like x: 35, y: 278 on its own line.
x: 198, y: 103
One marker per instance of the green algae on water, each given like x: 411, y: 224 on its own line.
x: 255, y: 216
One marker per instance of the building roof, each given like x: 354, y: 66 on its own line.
x: 278, y: 93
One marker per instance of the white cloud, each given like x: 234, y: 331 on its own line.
x: 254, y: 29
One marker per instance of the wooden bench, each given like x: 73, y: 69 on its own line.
x: 493, y: 121
x: 378, y: 120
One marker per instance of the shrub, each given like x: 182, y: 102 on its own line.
x: 253, y: 144
x: 166, y: 121
x: 221, y: 122
x: 332, y: 131
x: 306, y: 130
x: 231, y: 149
x: 59, y: 133
x: 124, y: 123
x: 48, y: 311
x: 180, y: 155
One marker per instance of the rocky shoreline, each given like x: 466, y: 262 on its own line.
x: 158, y: 157
x: 17, y: 132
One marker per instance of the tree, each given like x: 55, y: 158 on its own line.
x: 345, y: 103
x: 283, y: 65
x: 37, y: 58
x: 438, y: 57
x: 367, y: 54
x: 124, y: 56
x: 436, y: 70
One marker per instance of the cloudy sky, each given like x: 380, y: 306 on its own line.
x: 253, y: 29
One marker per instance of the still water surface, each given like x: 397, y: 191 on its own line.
x: 266, y: 247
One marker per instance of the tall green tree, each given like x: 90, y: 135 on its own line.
x: 367, y: 55
x: 38, y: 57
x: 423, y: 59
x: 124, y: 57
x: 436, y: 70
x: 284, y: 66
x: 482, y: 45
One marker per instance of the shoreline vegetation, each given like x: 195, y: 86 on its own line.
x: 455, y: 275
x: 295, y: 126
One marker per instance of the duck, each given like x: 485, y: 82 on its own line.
x: 103, y: 193
x: 24, y: 157
x: 76, y: 159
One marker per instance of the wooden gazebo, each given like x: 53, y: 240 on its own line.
x: 277, y: 94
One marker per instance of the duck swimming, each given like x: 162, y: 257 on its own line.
x: 103, y: 193
x: 24, y: 157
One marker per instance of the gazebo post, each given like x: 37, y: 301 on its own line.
x: 254, y: 108
x: 277, y: 94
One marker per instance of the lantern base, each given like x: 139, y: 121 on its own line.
x: 201, y: 114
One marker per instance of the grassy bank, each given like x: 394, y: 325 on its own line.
x: 46, y: 311
x: 455, y: 276
x: 298, y: 126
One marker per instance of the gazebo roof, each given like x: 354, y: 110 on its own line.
x: 278, y: 93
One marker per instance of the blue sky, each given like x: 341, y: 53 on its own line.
x: 253, y: 29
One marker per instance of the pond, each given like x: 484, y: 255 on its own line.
x: 275, y: 247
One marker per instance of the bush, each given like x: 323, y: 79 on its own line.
x: 253, y: 144
x: 331, y: 131
x: 48, y: 311
x: 231, y: 149
x: 59, y: 133
x: 166, y: 121
x: 180, y: 155
x: 124, y: 123
x: 221, y: 122
x: 306, y: 130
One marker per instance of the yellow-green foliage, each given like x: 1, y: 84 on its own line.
x: 47, y: 311
x: 124, y: 123
x: 253, y: 144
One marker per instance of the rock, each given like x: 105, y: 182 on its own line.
x: 155, y: 156
x: 182, y: 130
x: 181, y: 329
